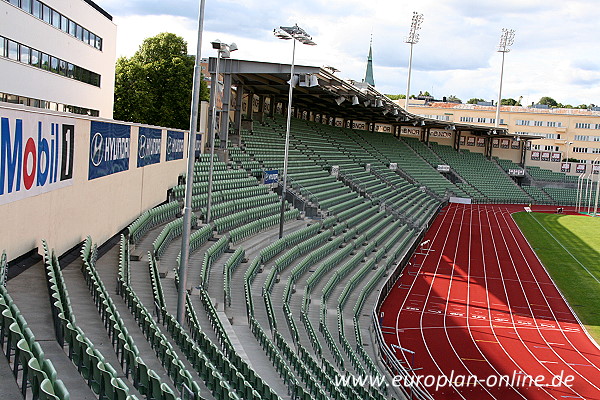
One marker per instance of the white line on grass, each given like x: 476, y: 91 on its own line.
x: 561, y: 245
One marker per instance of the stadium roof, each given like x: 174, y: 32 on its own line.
x: 333, y: 96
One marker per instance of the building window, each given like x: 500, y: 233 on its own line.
x: 13, y: 50
x: 582, y: 138
x: 551, y: 148
x: 522, y: 122
x: 582, y: 125
x: 59, y: 21
x: 535, y: 146
x: 596, y: 151
x: 14, y: 99
x: 19, y: 52
x: 595, y: 138
x: 24, y: 54
x: 538, y: 123
x: 466, y: 119
x: 550, y: 135
x: 580, y: 149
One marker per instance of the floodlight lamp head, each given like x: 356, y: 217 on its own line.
x: 507, y: 39
x: 233, y: 47
x: 281, y: 34
x: 216, y: 44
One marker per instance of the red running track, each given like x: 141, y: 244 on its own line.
x: 479, y: 303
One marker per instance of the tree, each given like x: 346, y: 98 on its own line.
x: 475, y: 100
x: 549, y: 101
x: 509, y: 102
x: 453, y: 99
x: 154, y: 86
x: 396, y: 96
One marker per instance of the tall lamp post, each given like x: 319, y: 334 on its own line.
x: 412, y: 39
x: 294, y: 33
x: 506, y: 40
x: 223, y: 51
x: 187, y: 210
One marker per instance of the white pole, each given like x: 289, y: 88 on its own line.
x: 597, y: 191
x: 213, y: 128
x: 579, y: 180
x: 187, y: 210
x: 497, y: 123
x: 409, y: 74
x: 287, y: 140
x: 588, y: 194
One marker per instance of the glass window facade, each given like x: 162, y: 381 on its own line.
x: 59, y: 21
x: 26, y: 55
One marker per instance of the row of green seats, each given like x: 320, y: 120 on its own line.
x: 99, y: 375
x: 228, y: 268
x: 152, y: 218
x: 253, y: 227
x: 23, y: 351
x: 215, y: 251
x: 201, y: 200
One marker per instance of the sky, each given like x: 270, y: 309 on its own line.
x: 556, y: 51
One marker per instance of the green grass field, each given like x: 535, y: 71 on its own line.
x: 569, y: 248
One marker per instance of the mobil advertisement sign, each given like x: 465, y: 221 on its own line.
x: 109, y: 149
x: 174, y: 145
x: 149, y: 140
x: 36, y: 154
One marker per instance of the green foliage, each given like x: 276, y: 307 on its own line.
x: 475, y: 100
x: 453, y: 99
x: 396, y: 96
x: 549, y: 101
x: 154, y: 86
x: 509, y: 102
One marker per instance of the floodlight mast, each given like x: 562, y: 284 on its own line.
x: 506, y: 40
x: 223, y: 51
x: 187, y: 210
x: 294, y: 33
x: 412, y: 39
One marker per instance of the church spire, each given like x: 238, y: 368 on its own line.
x: 369, y: 74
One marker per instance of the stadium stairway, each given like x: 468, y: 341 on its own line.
x: 30, y: 294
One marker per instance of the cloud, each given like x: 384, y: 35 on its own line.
x: 552, y: 55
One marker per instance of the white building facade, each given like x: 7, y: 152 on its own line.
x: 58, y: 55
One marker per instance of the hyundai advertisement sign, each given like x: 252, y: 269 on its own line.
x: 149, y: 140
x: 36, y: 154
x: 174, y: 145
x: 109, y: 149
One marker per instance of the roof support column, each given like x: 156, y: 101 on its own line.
x: 488, y: 147
x: 250, y: 102
x: 224, y: 135
x: 524, y: 152
x: 237, y: 115
x: 457, y: 136
x: 261, y: 108
x: 272, y: 106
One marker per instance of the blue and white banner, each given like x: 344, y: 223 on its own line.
x: 175, y: 145
x: 271, y: 176
x: 149, y: 140
x: 36, y: 154
x: 109, y: 148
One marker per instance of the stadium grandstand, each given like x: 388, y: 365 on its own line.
x: 92, y: 246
